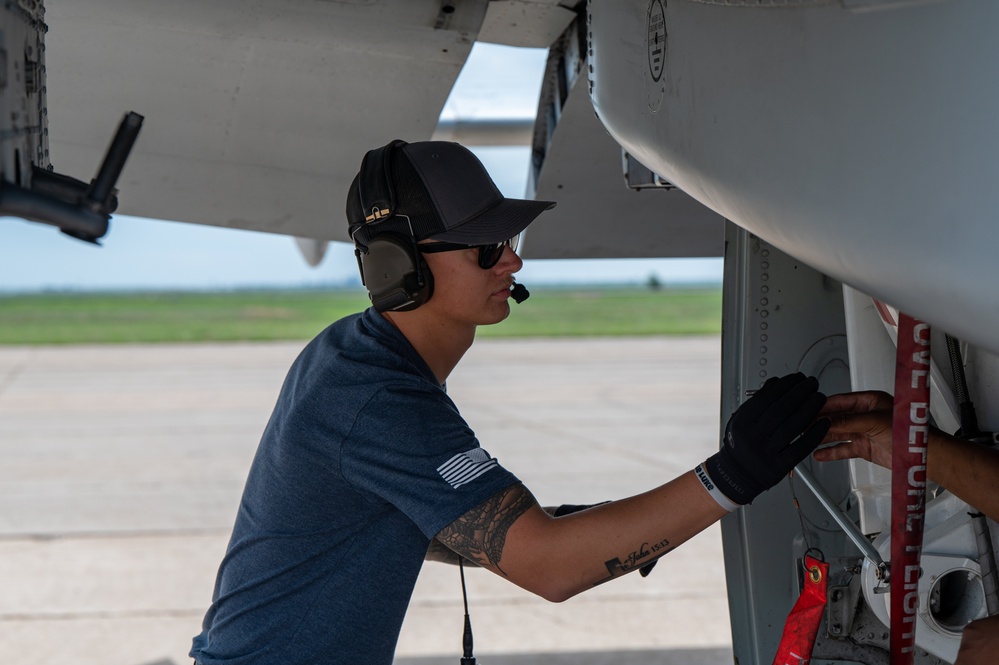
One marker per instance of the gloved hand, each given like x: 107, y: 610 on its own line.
x: 768, y: 436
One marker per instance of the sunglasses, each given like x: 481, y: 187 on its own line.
x: 489, y: 255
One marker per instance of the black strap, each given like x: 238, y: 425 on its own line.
x: 466, y: 638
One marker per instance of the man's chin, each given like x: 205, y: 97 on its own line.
x: 500, y: 316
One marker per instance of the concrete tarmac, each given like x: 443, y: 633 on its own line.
x: 121, y: 469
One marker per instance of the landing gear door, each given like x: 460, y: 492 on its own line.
x: 779, y: 316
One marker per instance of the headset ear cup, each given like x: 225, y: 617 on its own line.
x: 419, y: 287
x: 395, y: 282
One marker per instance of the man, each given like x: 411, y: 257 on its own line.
x: 861, y: 426
x: 366, y: 459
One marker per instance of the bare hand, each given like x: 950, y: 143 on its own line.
x: 862, y: 426
x: 980, y: 642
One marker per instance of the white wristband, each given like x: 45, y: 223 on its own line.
x: 716, y: 494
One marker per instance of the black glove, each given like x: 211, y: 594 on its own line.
x: 768, y: 436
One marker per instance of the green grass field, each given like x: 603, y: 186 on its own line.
x: 273, y: 315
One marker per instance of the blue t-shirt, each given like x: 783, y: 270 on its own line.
x: 364, y: 460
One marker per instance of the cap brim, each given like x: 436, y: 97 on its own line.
x: 501, y: 222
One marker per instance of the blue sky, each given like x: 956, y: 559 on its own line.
x: 149, y: 254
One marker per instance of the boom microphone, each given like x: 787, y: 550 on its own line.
x: 519, y: 293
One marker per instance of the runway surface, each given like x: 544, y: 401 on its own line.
x: 121, y: 469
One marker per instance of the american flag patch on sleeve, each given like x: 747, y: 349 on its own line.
x: 466, y: 467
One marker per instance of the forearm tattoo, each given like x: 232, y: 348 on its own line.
x: 480, y: 534
x: 641, y: 557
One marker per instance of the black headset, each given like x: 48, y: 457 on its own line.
x: 392, y: 268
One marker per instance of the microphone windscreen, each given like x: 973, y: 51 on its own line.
x: 519, y: 293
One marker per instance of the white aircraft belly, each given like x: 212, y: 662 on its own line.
x: 863, y: 143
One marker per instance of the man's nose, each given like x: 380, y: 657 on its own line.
x: 509, y: 261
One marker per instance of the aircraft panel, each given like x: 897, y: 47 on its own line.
x: 528, y: 23
x: 576, y: 163
x: 779, y: 316
x: 597, y: 215
x: 861, y: 142
x: 257, y: 113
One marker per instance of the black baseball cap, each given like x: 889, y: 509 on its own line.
x: 441, y: 191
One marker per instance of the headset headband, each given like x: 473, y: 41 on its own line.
x: 391, y: 267
x: 375, y: 186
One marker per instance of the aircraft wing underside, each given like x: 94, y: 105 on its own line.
x: 257, y: 112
